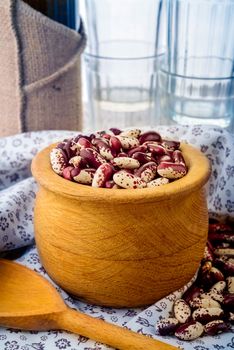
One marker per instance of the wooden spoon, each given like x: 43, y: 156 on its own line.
x: 30, y: 302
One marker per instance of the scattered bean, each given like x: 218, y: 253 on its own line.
x: 211, y: 297
x: 167, y: 326
x: 189, y: 331
x: 182, y: 311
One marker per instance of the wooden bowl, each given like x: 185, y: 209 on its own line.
x: 121, y: 248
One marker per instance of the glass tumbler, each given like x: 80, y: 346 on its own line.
x: 125, y: 46
x: 196, y: 79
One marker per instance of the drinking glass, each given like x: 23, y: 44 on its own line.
x: 125, y: 46
x: 196, y: 80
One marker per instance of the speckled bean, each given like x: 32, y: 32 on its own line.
x: 205, y: 315
x: 230, y: 284
x: 126, y: 180
x: 167, y: 326
x: 182, y: 311
x: 189, y: 331
x: 158, y: 182
x: 126, y: 163
x: 147, y: 171
x: 102, y: 175
x: 171, y: 170
x: 216, y: 327
x: 58, y: 160
x: 150, y: 136
x: 128, y: 142
x: 85, y: 176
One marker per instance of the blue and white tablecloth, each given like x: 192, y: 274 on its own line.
x: 17, y: 193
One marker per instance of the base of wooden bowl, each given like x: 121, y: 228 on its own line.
x: 121, y: 248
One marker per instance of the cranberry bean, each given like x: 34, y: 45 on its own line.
x: 170, y: 145
x: 157, y: 150
x: 126, y: 163
x: 128, y: 142
x: 167, y: 326
x: 226, y: 265
x: 218, y: 287
x: 215, y: 327
x: 58, y: 160
x: 131, y: 133
x: 71, y: 149
x: 191, y: 293
x: 106, y: 153
x: 115, y: 131
x: 189, y: 331
x: 115, y: 144
x: 102, y: 175
x: 171, y: 170
x: 209, y: 252
x: 83, y: 143
x: 216, y: 296
x: 205, y: 315
x: 76, y: 161
x: 158, y: 182
x: 141, y: 149
x: 212, y: 276
x: 141, y: 157
x: 182, y: 311
x: 204, y: 303
x: 92, y: 157
x: 126, y: 180
x: 149, y: 136
x: 147, y: 171
x: 84, y: 176
x: 177, y: 157
x: 67, y: 173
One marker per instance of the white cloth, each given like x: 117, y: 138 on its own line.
x: 17, y: 194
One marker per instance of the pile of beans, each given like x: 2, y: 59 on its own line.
x: 207, y: 307
x: 119, y: 159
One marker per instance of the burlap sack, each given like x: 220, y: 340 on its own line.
x: 40, y: 86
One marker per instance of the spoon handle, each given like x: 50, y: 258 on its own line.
x: 107, y: 333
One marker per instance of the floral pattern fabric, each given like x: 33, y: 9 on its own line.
x: 17, y: 193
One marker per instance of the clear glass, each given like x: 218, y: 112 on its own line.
x: 125, y: 21
x: 195, y: 100
x: 125, y: 44
x: 197, y: 77
x: 122, y: 92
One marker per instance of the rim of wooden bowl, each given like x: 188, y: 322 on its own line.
x: 199, y: 170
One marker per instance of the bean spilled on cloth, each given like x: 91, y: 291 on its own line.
x: 207, y: 307
x: 119, y: 159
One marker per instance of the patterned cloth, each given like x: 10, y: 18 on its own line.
x: 17, y: 194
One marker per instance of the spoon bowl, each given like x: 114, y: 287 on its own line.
x: 30, y: 302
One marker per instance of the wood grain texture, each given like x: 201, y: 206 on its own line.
x: 30, y: 302
x: 121, y: 248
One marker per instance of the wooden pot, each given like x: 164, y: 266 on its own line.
x: 121, y: 248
